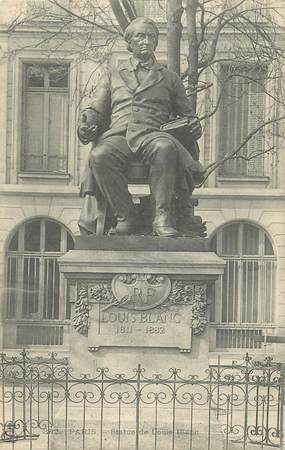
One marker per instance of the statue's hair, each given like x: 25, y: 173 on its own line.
x: 129, y: 31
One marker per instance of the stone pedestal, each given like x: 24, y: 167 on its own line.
x: 140, y: 300
x: 139, y: 309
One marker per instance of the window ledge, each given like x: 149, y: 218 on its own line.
x: 41, y: 322
x: 259, y: 178
x: 35, y: 351
x: 47, y: 177
x: 242, y: 326
x: 243, y: 182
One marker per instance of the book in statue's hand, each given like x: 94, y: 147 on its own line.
x: 180, y: 128
x: 176, y: 123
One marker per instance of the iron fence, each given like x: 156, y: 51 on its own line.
x: 46, y: 406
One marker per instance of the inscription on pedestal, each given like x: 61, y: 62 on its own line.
x: 162, y: 327
x: 139, y: 310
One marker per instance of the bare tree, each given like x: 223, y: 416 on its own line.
x: 248, y: 33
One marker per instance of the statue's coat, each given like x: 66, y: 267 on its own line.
x: 136, y: 112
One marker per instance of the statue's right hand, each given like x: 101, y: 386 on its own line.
x: 85, y: 132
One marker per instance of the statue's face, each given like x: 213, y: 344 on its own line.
x: 143, y: 41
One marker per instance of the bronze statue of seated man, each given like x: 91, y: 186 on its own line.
x: 138, y: 97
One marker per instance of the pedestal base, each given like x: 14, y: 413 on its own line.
x: 155, y: 429
x: 140, y: 314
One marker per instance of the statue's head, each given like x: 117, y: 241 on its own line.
x: 142, y: 37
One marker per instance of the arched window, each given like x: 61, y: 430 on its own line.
x: 35, y: 288
x: 244, y: 297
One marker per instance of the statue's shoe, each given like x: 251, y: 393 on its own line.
x: 164, y: 231
x: 193, y: 230
x: 162, y: 225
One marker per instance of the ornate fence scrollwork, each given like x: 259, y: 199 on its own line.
x: 40, y: 395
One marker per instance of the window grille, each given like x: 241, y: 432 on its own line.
x: 41, y: 334
x: 35, y: 288
x: 45, y: 118
x: 237, y: 338
x: 242, y: 111
x: 244, y: 296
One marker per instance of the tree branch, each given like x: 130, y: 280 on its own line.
x: 84, y: 19
x: 254, y: 155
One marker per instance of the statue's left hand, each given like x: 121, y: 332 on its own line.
x: 195, y: 128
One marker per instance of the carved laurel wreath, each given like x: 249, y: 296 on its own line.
x: 81, y: 312
x: 182, y: 293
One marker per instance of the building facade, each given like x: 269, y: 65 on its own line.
x: 243, y: 202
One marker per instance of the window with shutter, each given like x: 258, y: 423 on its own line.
x: 45, y: 118
x: 242, y: 111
